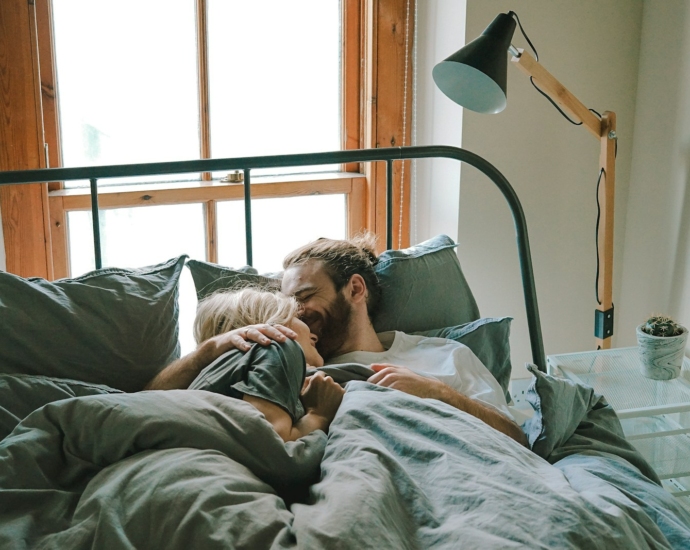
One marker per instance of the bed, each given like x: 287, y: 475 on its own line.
x: 87, y: 460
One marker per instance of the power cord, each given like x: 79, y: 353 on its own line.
x: 536, y: 56
x: 601, y: 172
x: 596, y: 236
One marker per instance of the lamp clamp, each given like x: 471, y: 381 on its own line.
x: 603, y: 323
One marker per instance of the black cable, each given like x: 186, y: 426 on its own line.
x: 601, y: 172
x: 536, y: 56
x: 554, y: 104
x: 596, y: 238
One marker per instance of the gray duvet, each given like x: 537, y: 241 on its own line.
x: 192, y: 469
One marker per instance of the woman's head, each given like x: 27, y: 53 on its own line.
x: 225, y: 311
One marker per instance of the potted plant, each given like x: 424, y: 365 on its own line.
x: 661, y: 343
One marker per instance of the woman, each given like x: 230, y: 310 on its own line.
x: 271, y: 378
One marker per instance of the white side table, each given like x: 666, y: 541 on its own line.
x: 655, y: 414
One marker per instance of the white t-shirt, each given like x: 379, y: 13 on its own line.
x: 446, y: 360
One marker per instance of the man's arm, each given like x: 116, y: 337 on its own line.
x: 403, y: 379
x: 180, y: 374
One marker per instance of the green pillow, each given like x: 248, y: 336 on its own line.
x: 21, y: 394
x: 210, y: 277
x: 117, y: 327
x: 489, y: 339
x: 423, y: 288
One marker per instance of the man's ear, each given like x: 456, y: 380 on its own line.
x: 357, y: 288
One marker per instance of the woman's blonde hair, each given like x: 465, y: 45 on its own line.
x: 225, y: 311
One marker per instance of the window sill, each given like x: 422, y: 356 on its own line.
x: 179, y: 192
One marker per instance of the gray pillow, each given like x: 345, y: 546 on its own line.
x: 117, y: 327
x: 489, y: 339
x: 423, y: 288
x: 21, y: 394
x: 210, y: 277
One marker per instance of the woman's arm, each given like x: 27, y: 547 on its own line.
x: 321, y: 397
x: 179, y: 374
x: 403, y: 379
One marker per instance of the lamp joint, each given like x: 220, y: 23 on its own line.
x: 514, y: 51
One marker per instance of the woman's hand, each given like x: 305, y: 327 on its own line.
x: 321, y: 396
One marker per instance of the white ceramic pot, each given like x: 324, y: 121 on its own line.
x: 661, y: 357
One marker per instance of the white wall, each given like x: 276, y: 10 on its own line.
x: 592, y: 47
x: 436, y: 183
x: 656, y: 274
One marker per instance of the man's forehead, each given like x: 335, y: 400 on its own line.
x: 305, y: 277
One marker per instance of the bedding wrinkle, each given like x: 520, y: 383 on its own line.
x: 200, y: 495
x: 187, y: 469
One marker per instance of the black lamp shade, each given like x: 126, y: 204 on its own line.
x: 476, y: 75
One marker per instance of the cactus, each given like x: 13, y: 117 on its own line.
x: 660, y: 325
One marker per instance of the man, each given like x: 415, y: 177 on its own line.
x: 337, y: 286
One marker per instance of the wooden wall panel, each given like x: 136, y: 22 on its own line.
x: 24, y: 208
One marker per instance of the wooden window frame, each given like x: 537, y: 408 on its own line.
x: 376, y: 49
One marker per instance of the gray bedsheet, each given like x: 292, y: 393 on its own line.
x: 191, y: 469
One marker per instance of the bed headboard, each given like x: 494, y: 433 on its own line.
x: 246, y: 164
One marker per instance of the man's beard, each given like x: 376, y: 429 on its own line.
x: 335, y: 327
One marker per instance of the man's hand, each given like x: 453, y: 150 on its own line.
x: 181, y: 373
x: 321, y: 396
x: 405, y: 380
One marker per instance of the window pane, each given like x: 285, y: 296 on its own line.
x: 274, y: 77
x: 127, y: 81
x: 137, y: 237
x: 279, y: 226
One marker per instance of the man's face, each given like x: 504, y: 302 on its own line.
x: 326, y: 311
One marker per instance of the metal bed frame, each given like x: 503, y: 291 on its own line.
x: 246, y: 164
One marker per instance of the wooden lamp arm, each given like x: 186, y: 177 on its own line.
x: 603, y: 129
x: 548, y: 84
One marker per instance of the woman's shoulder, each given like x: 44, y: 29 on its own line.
x: 289, y: 351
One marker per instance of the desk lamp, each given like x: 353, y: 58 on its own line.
x: 475, y: 77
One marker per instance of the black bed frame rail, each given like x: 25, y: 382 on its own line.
x: 246, y: 164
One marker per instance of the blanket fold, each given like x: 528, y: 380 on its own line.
x: 192, y: 469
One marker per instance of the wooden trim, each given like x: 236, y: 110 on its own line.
x: 370, y: 62
x: 130, y: 196
x: 351, y: 46
x: 44, y: 248
x: 211, y: 214
x: 24, y: 208
x: 356, y: 207
x: 388, y: 23
x: 46, y: 55
x: 58, y: 229
x: 51, y: 127
x: 548, y: 84
x: 204, y: 94
x: 607, y: 195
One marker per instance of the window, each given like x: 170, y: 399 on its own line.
x: 156, y: 80
x: 269, y: 82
